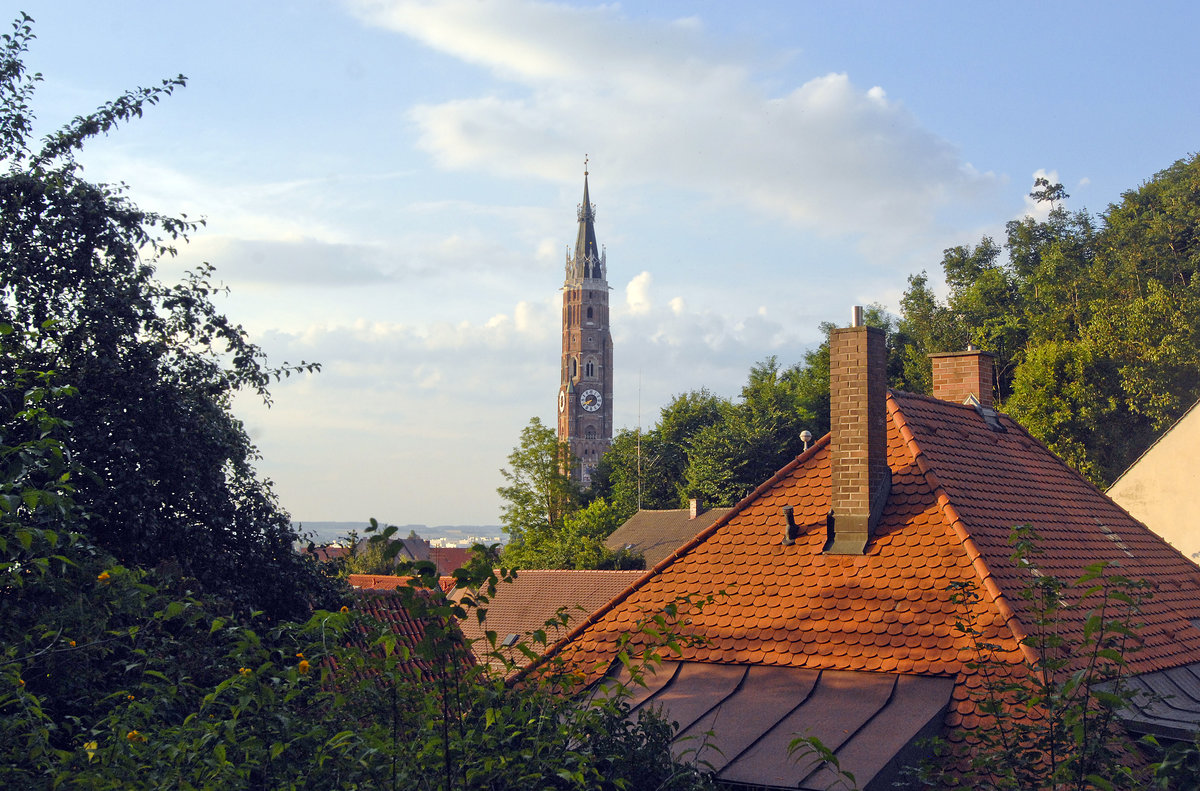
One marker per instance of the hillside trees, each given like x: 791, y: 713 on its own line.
x: 168, y: 477
x: 1095, y: 325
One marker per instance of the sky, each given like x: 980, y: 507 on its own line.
x: 389, y: 188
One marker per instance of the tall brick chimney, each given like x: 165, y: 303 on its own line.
x: 959, y: 375
x: 858, y: 428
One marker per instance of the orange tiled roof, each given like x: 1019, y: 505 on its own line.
x: 387, y: 609
x: 958, y: 488
x: 391, y: 582
x: 448, y: 559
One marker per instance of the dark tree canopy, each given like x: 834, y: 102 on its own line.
x: 168, y: 470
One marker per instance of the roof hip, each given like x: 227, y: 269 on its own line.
x: 961, y: 532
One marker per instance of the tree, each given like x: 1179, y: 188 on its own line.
x: 754, y: 438
x: 540, y: 491
x: 168, y: 477
x: 646, y: 469
x: 1096, y: 327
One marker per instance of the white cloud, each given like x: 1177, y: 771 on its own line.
x: 668, y: 107
x: 1039, y: 211
x: 637, y: 294
x: 677, y: 306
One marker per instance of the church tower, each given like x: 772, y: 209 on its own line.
x: 585, y: 412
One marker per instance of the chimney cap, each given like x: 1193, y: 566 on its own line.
x: 856, y: 316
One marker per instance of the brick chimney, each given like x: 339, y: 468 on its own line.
x: 959, y: 375
x: 858, y: 442
x: 696, y: 507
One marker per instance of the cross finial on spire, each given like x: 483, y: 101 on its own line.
x: 585, y: 164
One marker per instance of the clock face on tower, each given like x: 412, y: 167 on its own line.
x: 562, y: 400
x: 590, y: 400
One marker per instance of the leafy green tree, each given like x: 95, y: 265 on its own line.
x: 1096, y: 326
x: 168, y: 471
x: 578, y: 544
x: 647, y: 469
x: 755, y: 437
x: 540, y: 489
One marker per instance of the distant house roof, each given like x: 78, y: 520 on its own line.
x: 535, y: 597
x: 328, y: 552
x: 449, y: 559
x: 386, y: 607
x: 390, y: 582
x: 656, y: 534
x: 961, y: 479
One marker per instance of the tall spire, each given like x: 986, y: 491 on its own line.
x: 588, y: 258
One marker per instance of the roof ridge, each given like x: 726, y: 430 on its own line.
x: 966, y: 540
x: 699, y: 538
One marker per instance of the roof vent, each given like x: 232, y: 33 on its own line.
x: 792, y: 530
x: 989, y: 415
x: 510, y: 640
x: 1113, y: 537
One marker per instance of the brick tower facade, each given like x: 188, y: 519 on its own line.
x: 585, y: 407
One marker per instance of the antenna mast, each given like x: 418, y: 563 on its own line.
x: 639, y: 441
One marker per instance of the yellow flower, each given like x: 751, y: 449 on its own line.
x: 300, y: 656
x: 303, y: 667
x: 134, y: 736
x: 130, y: 697
x: 72, y: 643
x: 20, y: 682
x: 103, y: 576
x: 345, y: 608
x: 91, y: 748
x: 245, y: 671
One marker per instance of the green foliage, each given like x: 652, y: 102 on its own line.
x: 112, y: 677
x: 167, y: 477
x: 647, y: 469
x: 540, y: 491
x: 1096, y: 330
x: 374, y: 554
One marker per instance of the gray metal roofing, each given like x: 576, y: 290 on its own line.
x: 741, y: 719
x: 1164, y: 702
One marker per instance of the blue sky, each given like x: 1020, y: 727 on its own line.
x: 389, y: 188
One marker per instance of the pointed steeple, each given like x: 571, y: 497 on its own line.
x: 588, y: 258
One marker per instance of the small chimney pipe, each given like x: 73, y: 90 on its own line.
x: 792, y: 530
